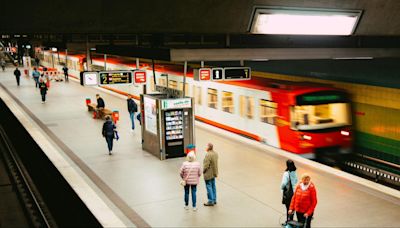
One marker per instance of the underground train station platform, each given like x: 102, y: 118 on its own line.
x: 134, y: 188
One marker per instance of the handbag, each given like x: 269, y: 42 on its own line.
x: 183, y: 182
x: 287, y: 192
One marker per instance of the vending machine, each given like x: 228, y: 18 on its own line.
x: 168, y: 125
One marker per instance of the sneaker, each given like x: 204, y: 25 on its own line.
x: 195, y: 209
x: 42, y: 102
x: 132, y: 130
x: 208, y: 204
x: 109, y: 152
x: 186, y: 207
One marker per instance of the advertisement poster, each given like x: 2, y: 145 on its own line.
x: 150, y: 115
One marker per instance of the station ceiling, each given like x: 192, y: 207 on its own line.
x: 379, y: 18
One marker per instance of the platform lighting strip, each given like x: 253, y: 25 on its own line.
x: 298, y: 21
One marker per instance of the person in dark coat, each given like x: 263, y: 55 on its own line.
x: 37, y: 61
x: 17, y: 74
x: 132, y: 108
x: 65, y: 69
x: 108, y: 133
x: 43, y: 89
x: 100, y: 105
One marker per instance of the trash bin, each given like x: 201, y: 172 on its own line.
x: 26, y: 71
x: 115, y: 115
x: 88, y: 101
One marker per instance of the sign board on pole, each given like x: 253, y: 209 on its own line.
x: 237, y: 73
x: 115, y: 77
x: 90, y: 78
x: 217, y: 74
x: 202, y: 74
x: 139, y: 77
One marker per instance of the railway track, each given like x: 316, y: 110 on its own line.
x: 34, y: 207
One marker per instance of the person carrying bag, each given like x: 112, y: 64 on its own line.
x: 289, y: 180
x: 190, y: 173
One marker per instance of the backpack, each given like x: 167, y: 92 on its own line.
x: 287, y: 192
x: 134, y: 106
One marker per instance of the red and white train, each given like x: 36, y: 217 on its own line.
x: 300, y: 117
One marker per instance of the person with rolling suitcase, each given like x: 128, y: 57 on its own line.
x: 304, y: 201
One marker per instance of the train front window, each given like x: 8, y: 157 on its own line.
x: 321, y: 116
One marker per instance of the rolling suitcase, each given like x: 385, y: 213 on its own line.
x: 296, y: 224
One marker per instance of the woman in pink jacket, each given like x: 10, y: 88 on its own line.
x: 190, y: 172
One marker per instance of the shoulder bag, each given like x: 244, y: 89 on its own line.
x: 287, y: 192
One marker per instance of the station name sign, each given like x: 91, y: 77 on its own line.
x: 219, y: 73
x: 115, y: 77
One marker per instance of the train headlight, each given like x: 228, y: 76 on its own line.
x: 345, y: 133
x: 306, y: 137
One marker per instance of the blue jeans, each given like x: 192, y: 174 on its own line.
x: 194, y: 190
x: 109, y: 140
x: 36, y: 81
x: 132, y: 116
x: 211, y: 191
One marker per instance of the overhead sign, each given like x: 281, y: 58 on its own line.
x: 139, y: 77
x: 115, y: 77
x: 176, y: 103
x: 90, y: 78
x: 237, y: 73
x: 202, y: 74
x: 217, y: 74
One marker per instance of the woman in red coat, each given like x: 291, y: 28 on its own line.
x: 304, y: 200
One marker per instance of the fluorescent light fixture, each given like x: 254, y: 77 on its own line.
x: 347, y: 58
x: 28, y: 46
x: 93, y: 49
x: 54, y: 49
x: 304, y: 21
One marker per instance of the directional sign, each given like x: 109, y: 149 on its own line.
x: 217, y: 74
x: 140, y: 76
x: 115, y: 77
x: 237, y: 73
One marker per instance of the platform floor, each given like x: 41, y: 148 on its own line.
x: 147, y: 191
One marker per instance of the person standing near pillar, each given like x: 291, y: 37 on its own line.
x: 17, y: 74
x: 65, y: 69
x: 132, y: 109
x: 210, y: 171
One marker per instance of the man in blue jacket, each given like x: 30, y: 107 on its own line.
x: 108, y: 133
x: 132, y: 108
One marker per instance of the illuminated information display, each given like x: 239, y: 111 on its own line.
x: 115, y: 77
x: 322, y: 97
x: 237, y: 73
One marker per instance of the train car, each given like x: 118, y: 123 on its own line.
x: 301, y: 117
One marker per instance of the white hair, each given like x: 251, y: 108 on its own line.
x: 191, y: 156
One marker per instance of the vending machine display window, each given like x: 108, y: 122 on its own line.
x: 173, y: 125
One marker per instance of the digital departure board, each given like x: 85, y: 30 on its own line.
x: 237, y: 73
x: 115, y: 77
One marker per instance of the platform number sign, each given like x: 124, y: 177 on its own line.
x: 237, y: 73
x: 217, y: 74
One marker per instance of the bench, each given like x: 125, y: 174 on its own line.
x: 102, y: 113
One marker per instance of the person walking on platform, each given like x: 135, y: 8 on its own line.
x: 17, y: 74
x: 36, y: 75
x: 304, y: 200
x: 210, y: 171
x: 37, y: 61
x: 288, y: 184
x: 190, y: 174
x: 65, y: 69
x: 108, y: 133
x: 43, y: 89
x: 132, y: 108
x: 3, y: 64
x: 100, y: 105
